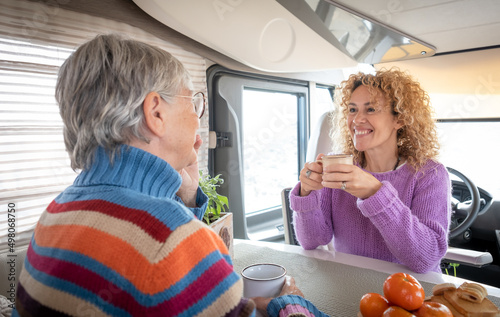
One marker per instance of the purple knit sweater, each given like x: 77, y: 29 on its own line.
x: 405, y: 222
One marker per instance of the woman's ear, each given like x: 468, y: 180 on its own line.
x: 398, y: 124
x: 155, y: 113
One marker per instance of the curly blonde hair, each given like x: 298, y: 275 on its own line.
x: 417, y: 138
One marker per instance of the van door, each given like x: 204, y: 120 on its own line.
x: 262, y: 127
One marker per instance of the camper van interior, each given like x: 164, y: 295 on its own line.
x: 270, y: 69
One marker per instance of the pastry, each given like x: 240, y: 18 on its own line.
x: 467, y: 300
x: 439, y: 289
x: 472, y: 292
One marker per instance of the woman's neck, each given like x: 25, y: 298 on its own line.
x: 383, y: 162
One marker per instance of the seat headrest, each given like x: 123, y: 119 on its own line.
x: 320, y: 140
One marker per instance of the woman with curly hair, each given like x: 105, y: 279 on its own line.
x: 393, y: 204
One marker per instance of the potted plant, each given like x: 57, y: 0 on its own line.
x: 217, y: 215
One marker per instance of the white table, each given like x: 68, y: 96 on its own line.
x: 335, y: 281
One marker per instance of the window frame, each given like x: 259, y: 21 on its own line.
x: 266, y: 224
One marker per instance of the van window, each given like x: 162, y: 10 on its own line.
x: 468, y: 146
x: 34, y: 165
x: 469, y: 121
x: 269, y: 146
x: 274, y: 134
x: 263, y: 124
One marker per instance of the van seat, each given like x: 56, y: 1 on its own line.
x: 467, y: 257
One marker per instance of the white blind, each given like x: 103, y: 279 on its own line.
x: 35, y: 39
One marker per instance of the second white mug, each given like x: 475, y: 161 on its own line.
x: 263, y: 280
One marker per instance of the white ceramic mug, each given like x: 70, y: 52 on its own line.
x: 263, y: 280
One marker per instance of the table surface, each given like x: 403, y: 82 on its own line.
x: 335, y: 281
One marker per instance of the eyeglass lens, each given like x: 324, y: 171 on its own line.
x: 199, y: 104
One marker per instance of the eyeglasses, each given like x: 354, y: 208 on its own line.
x: 198, y: 100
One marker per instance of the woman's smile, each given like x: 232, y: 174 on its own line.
x: 361, y: 132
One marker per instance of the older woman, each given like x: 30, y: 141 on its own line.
x: 125, y: 239
x: 393, y: 204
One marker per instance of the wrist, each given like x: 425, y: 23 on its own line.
x: 261, y: 302
x: 303, y: 192
x: 195, y: 199
x: 373, y: 191
x: 189, y: 198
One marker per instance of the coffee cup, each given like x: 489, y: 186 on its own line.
x: 263, y: 280
x: 336, y: 159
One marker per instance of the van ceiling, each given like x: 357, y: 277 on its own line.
x: 467, y: 73
x: 265, y: 35
x: 448, y: 25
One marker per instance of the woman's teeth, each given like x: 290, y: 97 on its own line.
x: 356, y: 132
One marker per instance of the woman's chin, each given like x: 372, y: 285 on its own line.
x: 360, y: 147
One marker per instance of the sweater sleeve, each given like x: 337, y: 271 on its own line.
x: 312, y: 217
x: 292, y: 305
x: 417, y: 234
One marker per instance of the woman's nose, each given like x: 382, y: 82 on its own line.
x: 359, y: 117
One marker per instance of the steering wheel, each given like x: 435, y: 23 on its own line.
x: 464, y: 210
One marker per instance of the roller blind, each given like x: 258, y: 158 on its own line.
x: 35, y: 39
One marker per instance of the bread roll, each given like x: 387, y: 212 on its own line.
x: 439, y: 289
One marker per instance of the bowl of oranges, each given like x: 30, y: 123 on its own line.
x: 403, y: 296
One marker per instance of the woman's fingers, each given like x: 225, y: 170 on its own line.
x: 311, y: 177
x: 289, y: 288
x: 352, y: 180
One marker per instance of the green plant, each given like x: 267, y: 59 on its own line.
x: 454, y: 265
x: 216, y: 203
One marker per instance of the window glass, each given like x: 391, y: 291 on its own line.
x: 462, y: 148
x: 269, y: 147
x: 34, y: 165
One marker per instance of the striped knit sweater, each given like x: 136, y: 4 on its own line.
x: 119, y: 242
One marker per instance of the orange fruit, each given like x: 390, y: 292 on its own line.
x: 433, y: 309
x: 404, y: 290
x: 373, y: 305
x: 396, y: 311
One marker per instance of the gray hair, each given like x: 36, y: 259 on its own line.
x: 101, y: 88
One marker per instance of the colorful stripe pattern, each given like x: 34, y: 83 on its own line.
x: 92, y: 263
x: 97, y: 252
